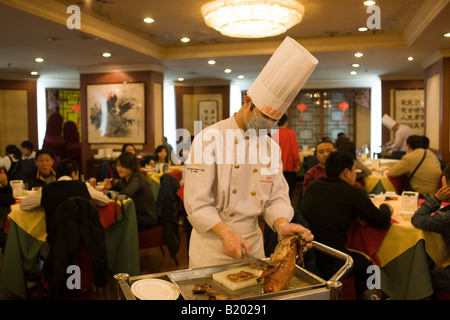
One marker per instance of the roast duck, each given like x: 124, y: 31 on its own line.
x: 288, y: 252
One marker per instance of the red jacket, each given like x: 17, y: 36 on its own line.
x: 287, y: 139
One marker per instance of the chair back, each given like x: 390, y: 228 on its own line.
x: 75, y: 236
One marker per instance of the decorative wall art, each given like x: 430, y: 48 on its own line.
x: 116, y: 113
x: 409, y: 109
x: 207, y: 112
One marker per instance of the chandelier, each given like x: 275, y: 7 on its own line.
x: 252, y: 18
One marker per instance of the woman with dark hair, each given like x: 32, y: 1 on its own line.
x: 129, y: 147
x: 133, y: 183
x: 161, y: 155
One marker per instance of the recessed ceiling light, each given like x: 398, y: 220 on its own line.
x: 227, y: 70
x: 353, y: 73
x: 180, y: 79
x: 211, y: 62
x: 185, y: 39
x: 241, y: 76
x: 362, y: 29
x: 39, y: 60
x: 355, y: 65
x: 106, y: 54
x: 358, y: 54
x: 34, y: 73
x: 148, y: 20
x: 410, y: 58
x: 447, y: 35
x: 369, y: 3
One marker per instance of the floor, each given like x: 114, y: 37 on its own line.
x: 152, y: 261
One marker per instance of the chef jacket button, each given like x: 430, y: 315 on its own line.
x: 253, y: 193
x: 236, y: 141
x: 231, y: 214
x: 255, y: 170
x: 234, y: 191
x: 236, y: 166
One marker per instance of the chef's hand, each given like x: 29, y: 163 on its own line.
x: 286, y: 229
x: 233, y: 243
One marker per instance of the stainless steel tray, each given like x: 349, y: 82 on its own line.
x: 301, y: 284
x: 186, y: 280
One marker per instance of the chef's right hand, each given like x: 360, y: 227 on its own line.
x: 232, y: 244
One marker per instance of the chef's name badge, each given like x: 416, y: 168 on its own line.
x: 195, y: 169
x: 266, y: 179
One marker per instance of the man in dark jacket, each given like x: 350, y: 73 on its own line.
x: 71, y: 225
x: 330, y: 205
x: 425, y: 219
x: 6, y: 194
x: 44, y: 173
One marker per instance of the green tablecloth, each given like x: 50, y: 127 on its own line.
x: 22, y: 250
x: 407, y: 277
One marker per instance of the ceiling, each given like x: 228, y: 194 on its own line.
x: 329, y: 30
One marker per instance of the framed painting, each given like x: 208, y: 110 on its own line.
x: 116, y: 113
x: 207, y: 112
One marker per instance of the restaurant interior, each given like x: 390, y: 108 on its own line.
x: 61, y: 60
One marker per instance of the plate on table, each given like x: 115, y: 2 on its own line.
x: 154, y: 289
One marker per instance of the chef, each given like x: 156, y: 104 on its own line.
x: 401, y: 133
x: 225, y: 188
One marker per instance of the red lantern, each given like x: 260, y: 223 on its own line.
x: 76, y: 108
x: 301, y: 107
x: 343, y: 106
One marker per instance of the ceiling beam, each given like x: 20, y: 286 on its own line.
x: 343, y: 43
x: 56, y: 12
x: 423, y: 17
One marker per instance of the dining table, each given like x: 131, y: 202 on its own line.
x: 379, y: 181
x: 403, y: 253
x: 154, y: 178
x: 305, y: 153
x: 27, y: 233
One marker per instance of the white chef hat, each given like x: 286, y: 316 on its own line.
x: 388, y: 121
x: 282, y: 78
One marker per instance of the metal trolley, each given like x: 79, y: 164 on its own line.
x: 304, y: 285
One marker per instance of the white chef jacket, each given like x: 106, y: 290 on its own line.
x: 235, y: 192
x: 402, y: 133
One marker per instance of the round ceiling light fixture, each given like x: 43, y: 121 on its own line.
x: 252, y: 18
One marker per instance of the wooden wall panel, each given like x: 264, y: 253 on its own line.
x: 181, y: 91
x: 386, y: 88
x: 30, y: 87
x: 150, y: 78
x: 442, y: 68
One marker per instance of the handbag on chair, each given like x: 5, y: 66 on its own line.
x: 407, y: 186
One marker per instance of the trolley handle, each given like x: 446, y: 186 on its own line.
x: 336, y: 254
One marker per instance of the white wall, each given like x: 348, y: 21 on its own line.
x: 170, y: 119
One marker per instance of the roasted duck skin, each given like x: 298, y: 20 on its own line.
x: 288, y: 251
